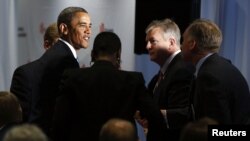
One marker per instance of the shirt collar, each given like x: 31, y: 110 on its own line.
x: 70, y: 47
x: 200, y: 62
x: 168, y: 61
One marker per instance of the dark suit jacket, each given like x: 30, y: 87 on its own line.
x: 173, y: 92
x: 36, y: 85
x: 91, y: 96
x: 25, y: 85
x: 221, y: 92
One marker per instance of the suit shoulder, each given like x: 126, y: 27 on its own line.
x: 72, y: 72
x: 25, y: 67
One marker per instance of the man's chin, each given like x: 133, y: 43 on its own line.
x: 85, y: 45
x: 81, y: 46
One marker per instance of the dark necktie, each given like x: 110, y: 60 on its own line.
x: 160, y: 77
x: 157, y: 93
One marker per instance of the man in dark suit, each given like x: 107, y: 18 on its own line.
x: 24, y: 79
x: 221, y: 92
x: 170, y: 88
x: 74, y: 27
x: 91, y: 96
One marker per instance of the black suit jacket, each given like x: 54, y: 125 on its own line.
x: 36, y: 84
x: 221, y: 92
x: 173, y: 92
x: 91, y: 96
x: 25, y: 85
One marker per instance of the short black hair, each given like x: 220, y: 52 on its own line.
x: 106, y: 43
x: 66, y: 15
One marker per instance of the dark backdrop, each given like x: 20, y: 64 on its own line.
x: 181, y: 11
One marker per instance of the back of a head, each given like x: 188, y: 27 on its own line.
x: 118, y: 130
x: 107, y: 46
x: 25, y: 132
x: 51, y: 35
x: 10, y: 108
x: 207, y: 34
x: 197, y: 131
x: 106, y: 43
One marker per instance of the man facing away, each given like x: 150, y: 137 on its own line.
x: 92, y: 96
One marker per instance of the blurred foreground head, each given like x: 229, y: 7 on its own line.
x: 25, y: 132
x: 118, y: 130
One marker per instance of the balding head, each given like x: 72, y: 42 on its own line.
x: 118, y: 130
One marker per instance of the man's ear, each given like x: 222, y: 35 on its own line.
x: 46, y: 44
x: 118, y: 58
x: 63, y: 29
x: 172, y: 41
x: 192, y: 45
